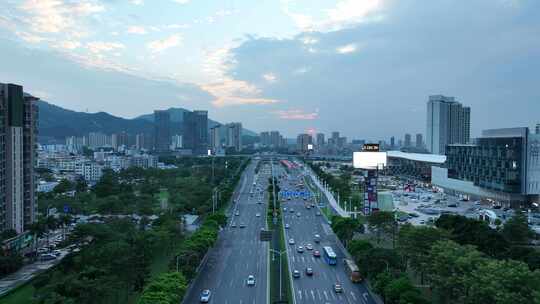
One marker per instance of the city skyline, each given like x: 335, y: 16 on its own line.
x: 353, y: 45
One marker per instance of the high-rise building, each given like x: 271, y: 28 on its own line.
x: 215, y: 139
x: 275, y: 139
x: 143, y: 141
x: 18, y: 157
x: 303, y: 142
x: 537, y: 129
x: 162, y: 130
x: 419, y: 140
x: 407, y: 140
x: 265, y: 139
x: 320, y: 140
x: 334, y: 139
x: 448, y: 122
x: 392, y: 142
x: 234, y: 136
x: 98, y: 140
x: 342, y: 142
x: 196, y: 132
x: 176, y: 142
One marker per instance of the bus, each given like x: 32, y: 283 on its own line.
x: 352, y: 271
x: 329, y: 255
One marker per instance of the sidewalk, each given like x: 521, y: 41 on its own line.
x: 329, y: 197
x: 26, y: 273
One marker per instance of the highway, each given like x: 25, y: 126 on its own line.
x: 238, y: 251
x: 319, y: 287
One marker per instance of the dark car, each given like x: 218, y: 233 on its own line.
x: 309, y: 271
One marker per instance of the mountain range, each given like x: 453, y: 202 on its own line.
x: 55, y: 123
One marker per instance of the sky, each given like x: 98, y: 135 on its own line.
x: 361, y: 67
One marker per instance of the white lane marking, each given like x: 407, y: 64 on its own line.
x: 365, y: 296
x: 300, y: 294
x: 353, y: 296
x: 333, y: 295
x: 325, y: 295
x: 313, y: 295
x: 306, y: 293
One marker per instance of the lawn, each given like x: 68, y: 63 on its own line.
x: 22, y: 294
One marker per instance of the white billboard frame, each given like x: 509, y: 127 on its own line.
x: 369, y: 160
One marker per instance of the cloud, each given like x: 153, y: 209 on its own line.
x: 227, y: 90
x: 344, y: 14
x: 406, y: 56
x: 101, y: 46
x: 68, y: 45
x: 54, y: 16
x: 137, y: 2
x: 30, y: 38
x: 181, y: 1
x: 297, y: 114
x: 178, y: 26
x: 346, y: 49
x: 166, y: 43
x: 135, y: 29
x: 270, y: 77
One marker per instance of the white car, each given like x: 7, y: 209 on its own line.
x: 287, y: 226
x: 291, y: 241
x: 250, y: 280
x: 309, y: 247
x: 300, y: 249
x: 258, y: 215
x: 205, y: 296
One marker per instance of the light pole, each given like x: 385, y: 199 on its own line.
x: 280, y: 271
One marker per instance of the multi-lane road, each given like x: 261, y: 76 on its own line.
x: 238, y: 252
x: 319, y: 287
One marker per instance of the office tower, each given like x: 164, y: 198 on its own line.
x: 18, y: 157
x: 334, y: 139
x: 141, y: 141
x: 448, y: 122
x: 234, y: 136
x: 537, y: 129
x: 275, y: 139
x: 265, y: 139
x: 419, y: 141
x: 303, y: 142
x: 392, y: 142
x: 320, y: 140
x: 162, y: 130
x: 407, y: 140
x: 196, y: 132
x: 176, y: 142
x: 215, y: 139
x: 342, y: 142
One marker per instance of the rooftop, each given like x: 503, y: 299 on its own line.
x: 428, y: 158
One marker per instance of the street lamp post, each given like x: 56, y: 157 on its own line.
x: 280, y: 269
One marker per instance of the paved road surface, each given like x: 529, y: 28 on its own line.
x: 319, y: 287
x: 238, y: 252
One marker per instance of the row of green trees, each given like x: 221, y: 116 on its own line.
x: 170, y: 288
x: 114, y: 265
x: 461, y: 261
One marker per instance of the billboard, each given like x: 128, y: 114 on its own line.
x: 369, y: 160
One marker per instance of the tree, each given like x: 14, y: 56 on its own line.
x: 344, y: 227
x: 466, y: 231
x: 63, y: 186
x: 402, y: 291
x: 382, y: 222
x: 516, y: 230
x: 358, y: 248
x: 449, y: 266
x: 508, y: 282
x: 377, y: 260
x: 167, y: 288
x: 414, y: 245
